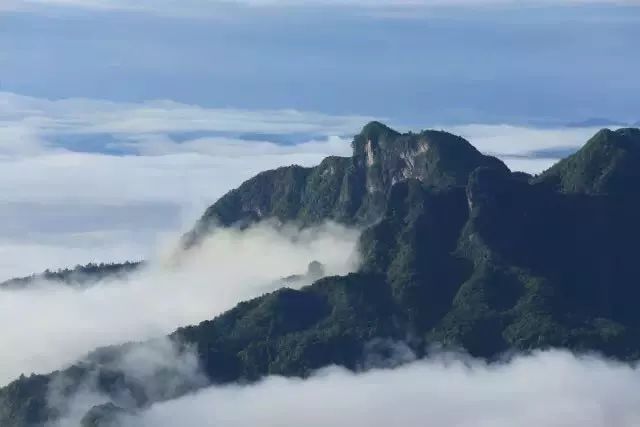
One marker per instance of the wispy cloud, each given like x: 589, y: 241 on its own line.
x: 60, y: 324
x: 158, y: 367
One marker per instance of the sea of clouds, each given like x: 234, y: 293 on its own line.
x: 551, y: 389
x: 547, y: 388
x: 139, y: 175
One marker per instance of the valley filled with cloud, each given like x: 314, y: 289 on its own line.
x: 60, y: 324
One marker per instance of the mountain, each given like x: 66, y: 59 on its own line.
x: 80, y: 275
x: 596, y: 122
x: 607, y: 164
x: 457, y: 252
x: 348, y: 190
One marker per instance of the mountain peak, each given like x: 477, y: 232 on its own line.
x: 349, y: 190
x: 371, y: 137
x: 630, y: 133
x: 607, y: 139
x: 375, y: 129
x: 596, y: 122
x: 437, y: 158
x: 607, y: 164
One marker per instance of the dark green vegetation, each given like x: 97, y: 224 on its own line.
x: 458, y: 251
x: 80, y: 275
x: 607, y: 164
x: 348, y: 190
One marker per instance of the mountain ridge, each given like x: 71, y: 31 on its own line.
x: 607, y: 164
x: 349, y: 190
x: 462, y: 254
x: 597, y: 122
x: 80, y: 275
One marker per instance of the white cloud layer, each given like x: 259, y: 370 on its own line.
x: 66, y: 200
x: 60, y: 324
x: 79, y: 115
x: 526, y: 149
x: 508, y: 140
x: 551, y: 389
x: 62, y: 207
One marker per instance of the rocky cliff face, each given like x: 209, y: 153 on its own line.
x: 348, y: 190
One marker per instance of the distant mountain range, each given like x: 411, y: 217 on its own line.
x: 80, y: 275
x: 597, y: 122
x: 458, y: 251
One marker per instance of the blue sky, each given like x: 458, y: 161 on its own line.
x: 417, y: 65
